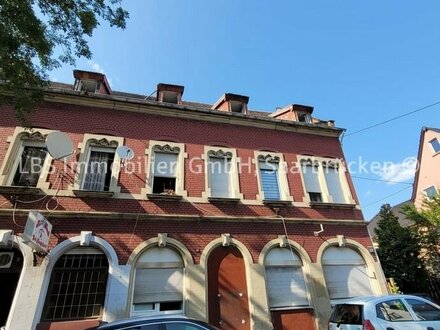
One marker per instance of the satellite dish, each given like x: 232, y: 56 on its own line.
x: 59, y: 145
x: 125, y: 153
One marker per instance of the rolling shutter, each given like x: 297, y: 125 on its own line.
x: 334, y: 184
x: 285, y: 279
x: 311, y: 180
x: 219, y: 170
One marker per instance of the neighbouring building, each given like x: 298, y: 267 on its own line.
x: 427, y: 180
x: 246, y: 219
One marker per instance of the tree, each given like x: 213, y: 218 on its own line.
x: 427, y: 220
x: 398, y: 252
x: 31, y: 31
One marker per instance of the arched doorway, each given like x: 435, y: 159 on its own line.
x: 227, y: 289
x: 11, y: 264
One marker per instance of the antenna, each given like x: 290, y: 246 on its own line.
x: 125, y: 153
x: 59, y: 145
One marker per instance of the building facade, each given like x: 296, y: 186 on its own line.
x: 427, y: 180
x: 245, y: 219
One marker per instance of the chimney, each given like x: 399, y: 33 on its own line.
x: 91, y: 82
x: 232, y: 103
x: 169, y: 93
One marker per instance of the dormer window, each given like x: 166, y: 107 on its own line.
x: 86, y: 85
x: 232, y: 103
x: 91, y: 82
x: 169, y: 93
x: 304, y: 117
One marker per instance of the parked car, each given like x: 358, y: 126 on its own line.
x: 390, y: 312
x: 163, y: 322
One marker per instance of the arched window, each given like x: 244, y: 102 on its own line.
x: 158, y: 282
x: 345, y: 273
x: 77, y: 286
x: 285, y: 279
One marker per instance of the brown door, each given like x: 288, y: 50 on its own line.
x: 227, y: 296
x: 300, y: 319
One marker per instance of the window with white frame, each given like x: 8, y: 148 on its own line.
x: 435, y: 145
x: 158, y: 282
x: 27, y: 161
x: 166, y: 168
x: 325, y: 181
x: 285, y: 279
x: 430, y: 192
x: 219, y: 174
x: 346, y: 274
x: 221, y: 179
x: 99, y: 165
x: 272, y: 177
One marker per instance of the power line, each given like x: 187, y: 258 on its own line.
x: 379, y: 180
x: 380, y: 200
x: 394, y: 118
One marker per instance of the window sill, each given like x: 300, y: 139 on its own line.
x: 20, y: 190
x: 224, y: 200
x: 271, y: 202
x: 94, y: 194
x: 164, y: 197
x: 320, y: 205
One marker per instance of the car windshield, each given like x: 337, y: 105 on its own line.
x: 347, y: 314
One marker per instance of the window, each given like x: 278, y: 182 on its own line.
x: 435, y: 145
x: 285, y: 279
x: 272, y: 177
x: 221, y: 174
x: 26, y: 162
x: 77, y: 286
x: 311, y: 180
x: 345, y: 272
x: 430, y: 192
x: 393, y: 310
x: 158, y: 284
x: 219, y: 171
x: 99, y: 169
x: 98, y: 164
x: 423, y: 310
x: 29, y: 166
x: 325, y: 181
x: 166, y: 174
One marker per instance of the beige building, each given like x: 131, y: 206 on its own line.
x: 427, y: 178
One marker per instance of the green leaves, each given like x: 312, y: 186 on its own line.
x: 30, y: 30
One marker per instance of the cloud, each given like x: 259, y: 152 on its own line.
x: 399, y: 172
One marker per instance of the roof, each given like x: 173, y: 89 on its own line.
x: 255, y: 114
x: 419, y: 159
x: 373, y: 299
x: 397, y: 211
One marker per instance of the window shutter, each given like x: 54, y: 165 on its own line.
x: 346, y: 281
x: 334, y: 184
x: 269, y: 183
x: 345, y: 273
x: 158, y: 285
x: 165, y: 165
x: 311, y: 180
x: 286, y: 286
x: 285, y: 279
x: 219, y: 170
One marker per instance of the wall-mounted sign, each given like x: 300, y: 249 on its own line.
x: 37, y: 231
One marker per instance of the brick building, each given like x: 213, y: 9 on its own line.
x: 245, y: 219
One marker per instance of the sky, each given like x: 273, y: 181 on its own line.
x: 357, y: 62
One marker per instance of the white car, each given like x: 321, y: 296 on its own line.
x: 390, y: 312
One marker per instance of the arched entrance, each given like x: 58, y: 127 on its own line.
x: 227, y: 289
x: 11, y: 264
